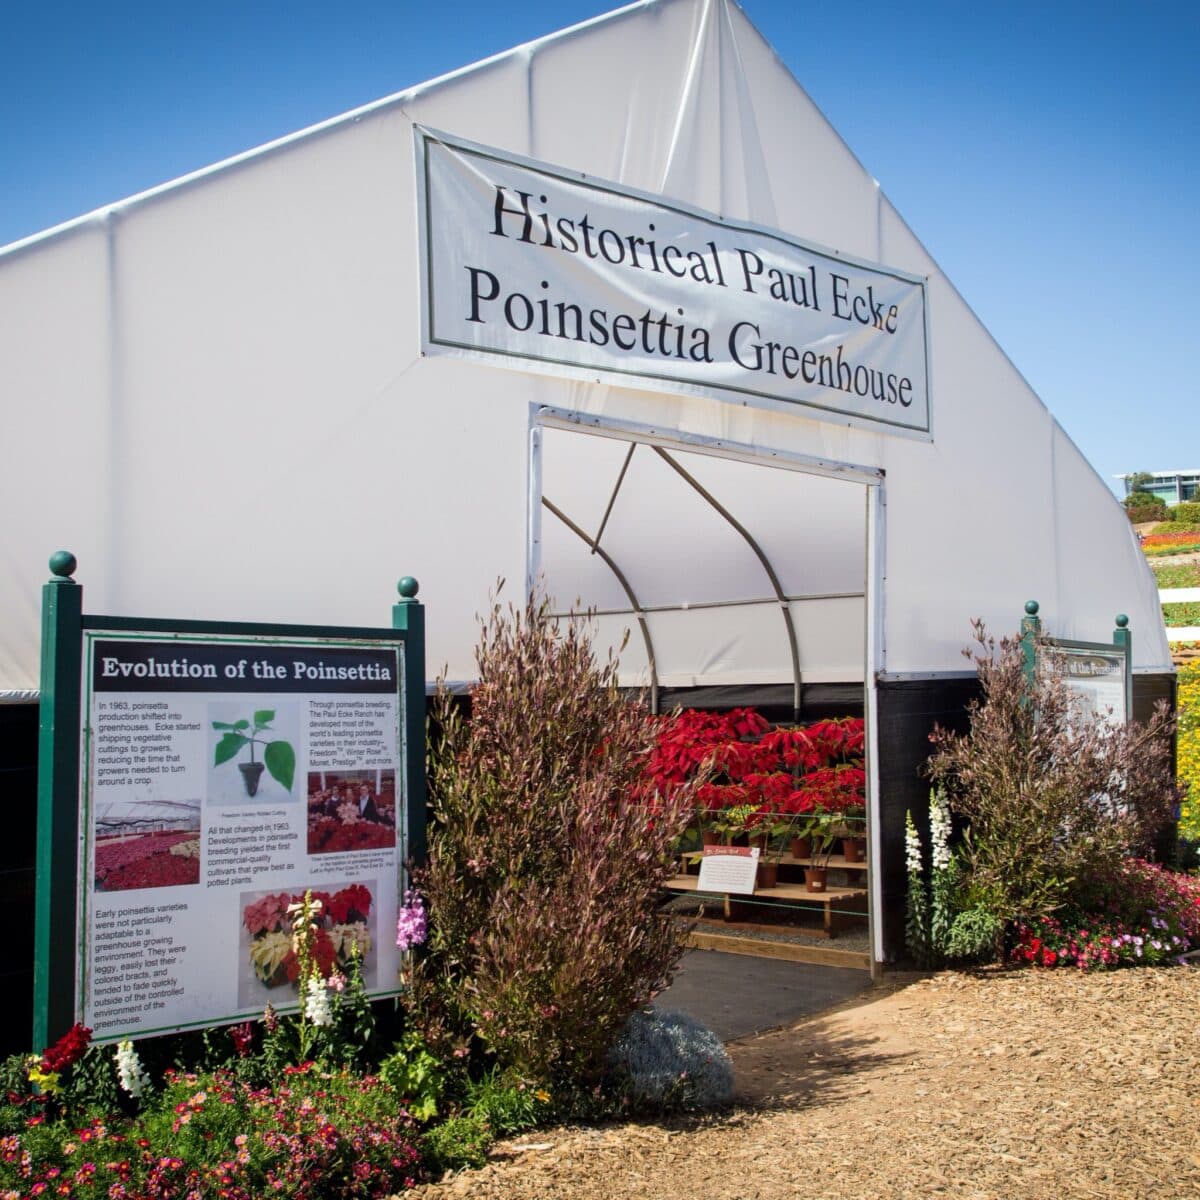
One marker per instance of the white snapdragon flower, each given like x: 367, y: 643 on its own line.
x: 316, y: 1003
x: 131, y: 1074
x: 912, y: 846
x: 939, y: 830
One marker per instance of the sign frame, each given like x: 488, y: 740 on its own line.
x: 1121, y: 647
x: 62, y: 888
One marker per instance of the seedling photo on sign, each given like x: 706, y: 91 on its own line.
x: 278, y: 756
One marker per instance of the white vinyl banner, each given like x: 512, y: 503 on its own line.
x: 541, y: 269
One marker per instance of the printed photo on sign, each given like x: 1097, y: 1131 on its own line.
x: 252, y: 751
x: 146, y: 844
x: 351, y: 810
x: 268, y: 965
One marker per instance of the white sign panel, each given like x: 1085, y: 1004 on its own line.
x: 540, y: 269
x: 1096, y: 679
x: 223, y: 778
x: 728, y: 869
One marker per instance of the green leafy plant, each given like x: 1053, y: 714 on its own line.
x: 823, y: 830
x: 278, y: 756
x: 417, y: 1074
x: 456, y: 1143
x: 1143, y: 507
x: 973, y: 936
x: 733, y: 822
x: 506, y: 1107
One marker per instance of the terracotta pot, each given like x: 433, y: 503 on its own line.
x: 854, y: 849
x: 710, y: 837
x: 814, y: 879
x: 801, y: 847
x: 768, y: 875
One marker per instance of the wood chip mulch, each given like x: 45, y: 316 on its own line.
x: 983, y: 1086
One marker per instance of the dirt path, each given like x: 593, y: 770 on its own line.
x: 1009, y: 1085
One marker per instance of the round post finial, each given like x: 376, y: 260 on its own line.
x: 1122, y: 620
x: 1031, y: 607
x: 408, y: 588
x: 63, y: 564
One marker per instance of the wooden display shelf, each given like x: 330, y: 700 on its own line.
x: 837, y: 862
x: 838, y: 904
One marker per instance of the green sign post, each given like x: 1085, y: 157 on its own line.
x: 194, y: 778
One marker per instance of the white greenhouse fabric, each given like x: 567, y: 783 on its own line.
x: 214, y: 396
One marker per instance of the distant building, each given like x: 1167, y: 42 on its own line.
x: 1171, y: 486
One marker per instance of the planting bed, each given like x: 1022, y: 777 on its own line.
x: 983, y: 1086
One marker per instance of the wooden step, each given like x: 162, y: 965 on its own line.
x: 839, y: 905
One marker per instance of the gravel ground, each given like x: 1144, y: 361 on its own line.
x: 992, y: 1085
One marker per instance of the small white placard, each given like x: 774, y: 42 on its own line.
x: 729, y: 869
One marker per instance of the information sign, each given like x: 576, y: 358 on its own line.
x: 728, y: 869
x: 195, y: 780
x: 223, y: 778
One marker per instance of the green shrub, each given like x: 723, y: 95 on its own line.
x: 1186, y: 513
x: 506, y: 1108
x: 666, y: 1061
x: 973, y: 936
x: 1174, y: 525
x: 417, y: 1075
x: 1142, y: 506
x: 455, y: 1144
x: 545, y: 859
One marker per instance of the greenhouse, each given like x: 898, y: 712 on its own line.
x: 675, y: 359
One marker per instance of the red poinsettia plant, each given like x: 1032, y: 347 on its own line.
x: 778, y: 773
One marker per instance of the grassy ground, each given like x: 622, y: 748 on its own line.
x: 1177, y: 575
x: 1178, y: 615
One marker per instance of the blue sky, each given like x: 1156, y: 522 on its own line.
x: 1047, y: 154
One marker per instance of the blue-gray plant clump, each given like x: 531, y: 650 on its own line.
x: 668, y: 1061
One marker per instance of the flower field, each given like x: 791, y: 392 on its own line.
x: 1188, y: 748
x: 147, y: 860
x: 1154, y: 544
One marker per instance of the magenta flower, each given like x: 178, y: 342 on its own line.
x: 412, y: 927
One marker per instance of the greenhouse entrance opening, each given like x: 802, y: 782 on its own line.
x: 740, y: 592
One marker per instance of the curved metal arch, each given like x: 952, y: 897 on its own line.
x: 780, y: 595
x: 596, y: 548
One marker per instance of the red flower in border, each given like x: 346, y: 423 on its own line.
x: 68, y: 1049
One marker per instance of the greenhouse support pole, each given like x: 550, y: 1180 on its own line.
x: 55, y: 936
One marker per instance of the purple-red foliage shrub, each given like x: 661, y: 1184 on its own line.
x: 1051, y: 800
x: 546, y: 857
